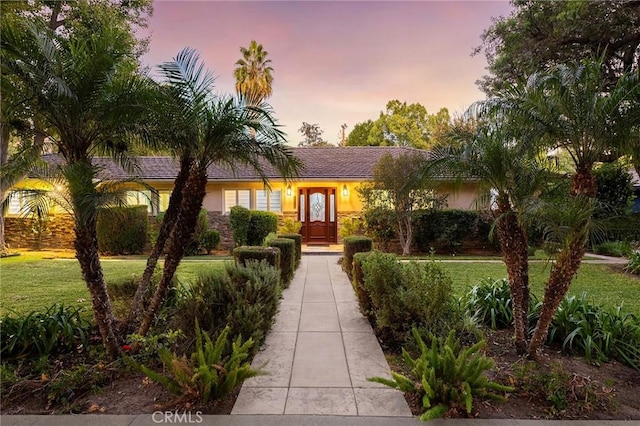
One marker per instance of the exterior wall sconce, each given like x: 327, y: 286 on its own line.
x: 289, y: 192
x: 345, y: 190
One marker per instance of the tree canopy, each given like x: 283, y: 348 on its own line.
x: 402, y: 124
x: 540, y: 34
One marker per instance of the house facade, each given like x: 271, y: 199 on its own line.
x: 321, y: 197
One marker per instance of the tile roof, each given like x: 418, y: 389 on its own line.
x: 353, y: 162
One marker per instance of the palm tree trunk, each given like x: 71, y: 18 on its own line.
x: 584, y: 182
x: 563, y: 271
x: 194, y: 192
x: 170, y: 217
x: 514, y: 245
x: 4, y: 158
x: 86, y: 245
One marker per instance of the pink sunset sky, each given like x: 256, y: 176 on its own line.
x: 336, y: 62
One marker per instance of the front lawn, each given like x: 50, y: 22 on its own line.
x: 603, y: 284
x: 32, y: 282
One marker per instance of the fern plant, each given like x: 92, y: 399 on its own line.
x: 446, y: 376
x: 207, y: 374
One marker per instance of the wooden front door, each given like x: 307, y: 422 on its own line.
x: 317, y: 212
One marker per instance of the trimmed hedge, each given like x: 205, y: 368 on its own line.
x: 240, y: 219
x: 623, y: 228
x: 122, y: 230
x: 358, y: 282
x: 270, y: 254
x: 260, y: 225
x: 298, y: 240
x: 287, y: 249
x: 408, y: 295
x: 354, y: 245
x: 448, y: 230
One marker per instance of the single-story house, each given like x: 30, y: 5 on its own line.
x: 321, y: 197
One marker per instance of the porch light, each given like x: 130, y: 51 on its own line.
x: 345, y: 190
x: 289, y: 190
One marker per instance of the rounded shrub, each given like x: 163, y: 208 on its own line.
x: 261, y: 224
x: 240, y: 219
x: 122, y: 230
x: 287, y: 249
x: 210, y: 240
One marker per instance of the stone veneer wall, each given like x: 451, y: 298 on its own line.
x: 58, y: 233
x: 222, y: 224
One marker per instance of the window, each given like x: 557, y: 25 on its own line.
x: 269, y: 201
x: 236, y: 197
x: 164, y: 197
x: 18, y: 203
x: 140, y: 198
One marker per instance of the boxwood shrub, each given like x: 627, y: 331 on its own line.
x: 260, y: 225
x: 287, y: 258
x: 358, y: 282
x: 122, y: 230
x: 240, y: 219
x: 354, y: 245
x: 298, y: 241
x: 245, y: 253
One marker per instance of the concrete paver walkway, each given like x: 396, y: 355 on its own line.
x: 320, y: 352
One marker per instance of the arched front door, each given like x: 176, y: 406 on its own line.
x: 317, y: 212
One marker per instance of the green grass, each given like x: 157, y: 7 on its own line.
x: 31, y: 282
x: 603, y: 284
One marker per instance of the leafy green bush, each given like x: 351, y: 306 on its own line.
x: 351, y: 227
x: 633, y: 267
x: 260, y: 225
x: 240, y: 219
x: 244, y: 298
x: 209, y: 374
x: 210, y: 240
x: 298, y: 242
x: 623, y: 228
x: 446, y: 376
x: 613, y: 248
x: 353, y: 245
x: 287, y: 249
x: 122, y: 230
x: 290, y: 226
x: 448, y: 230
x: 379, y: 223
x: 489, y: 303
x: 407, y: 295
x: 59, y: 329
x: 199, y: 242
x: 246, y: 253
x: 614, y: 190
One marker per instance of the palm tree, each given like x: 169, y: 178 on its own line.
x: 253, y: 74
x: 76, y: 90
x: 226, y: 131
x: 487, y: 151
x: 573, y: 108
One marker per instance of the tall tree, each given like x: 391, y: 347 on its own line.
x: 402, y: 124
x: 541, y: 34
x: 488, y: 151
x: 67, y: 19
x: 77, y: 87
x: 573, y: 107
x: 312, y: 135
x: 228, y: 131
x: 253, y: 74
x: 404, y: 184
